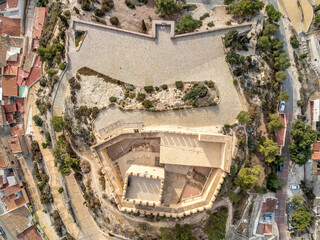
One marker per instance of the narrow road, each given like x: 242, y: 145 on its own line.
x: 287, y: 86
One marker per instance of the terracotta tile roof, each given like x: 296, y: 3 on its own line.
x: 20, y: 105
x: 13, y: 3
x: 10, y: 117
x: 316, y: 146
x: 9, y: 86
x: 10, y: 26
x: 38, y: 22
x: 2, y: 163
x: 17, y: 130
x: 12, y: 189
x: 30, y: 233
x: 3, y: 61
x: 267, y: 229
x: 22, y: 77
x: 35, y: 74
x: 269, y: 205
x: 11, y: 70
x: 14, y: 144
x: 17, y: 220
x: 10, y: 108
x: 316, y: 156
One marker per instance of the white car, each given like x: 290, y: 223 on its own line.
x: 294, y: 187
x: 282, y: 106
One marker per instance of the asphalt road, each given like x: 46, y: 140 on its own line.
x: 8, y: 235
x: 280, y: 214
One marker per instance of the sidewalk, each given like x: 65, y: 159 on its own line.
x: 54, y: 179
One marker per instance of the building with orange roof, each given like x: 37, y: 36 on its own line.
x: 11, y: 70
x: 270, y: 205
x: 267, y: 229
x: 17, y: 130
x: 10, y: 26
x: 30, y: 233
x: 9, y: 86
x: 14, y: 144
x: 38, y: 22
x: 35, y: 72
x: 14, y: 196
x: 12, y: 8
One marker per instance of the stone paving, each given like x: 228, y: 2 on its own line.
x: 145, y: 61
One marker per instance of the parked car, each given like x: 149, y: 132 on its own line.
x: 280, y: 168
x: 267, y: 217
x: 1, y: 231
x: 294, y: 186
x: 282, y: 106
x: 277, y: 206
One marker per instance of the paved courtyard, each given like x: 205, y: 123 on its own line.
x: 145, y: 61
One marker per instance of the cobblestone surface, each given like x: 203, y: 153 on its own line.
x: 145, y: 61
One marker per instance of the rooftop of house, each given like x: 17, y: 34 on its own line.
x: 16, y: 196
x: 39, y: 21
x: 7, y: 42
x: 30, y: 233
x: 10, y: 26
x: 267, y: 229
x: 11, y: 70
x: 17, y: 220
x: 316, y: 146
x: 3, y: 59
x: 10, y: 108
x: 17, y: 130
x: 316, y: 156
x: 9, y: 86
x: 2, y: 116
x: 9, y: 4
x: 14, y: 144
x: 20, y: 104
x: 270, y: 205
x: 35, y: 73
x: 5, y: 155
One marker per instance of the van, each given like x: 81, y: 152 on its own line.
x: 282, y: 106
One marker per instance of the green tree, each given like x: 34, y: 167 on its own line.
x: 274, y: 123
x: 273, y: 14
x: 274, y: 182
x: 316, y: 20
x: 230, y: 38
x: 301, y: 218
x: 264, y: 43
x: 234, y: 58
x: 284, y: 96
x: 167, y: 7
x: 298, y: 200
x: 143, y: 26
x: 244, y: 117
x: 177, y: 233
x: 270, y: 29
x: 37, y: 120
x: 303, y: 137
x: 58, y: 124
x: 187, y: 24
x: 245, y: 7
x: 280, y: 76
x: 277, y: 44
x: 282, y: 62
x: 247, y: 177
x: 216, y: 226
x: 270, y: 150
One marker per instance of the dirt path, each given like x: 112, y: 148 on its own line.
x: 54, y: 179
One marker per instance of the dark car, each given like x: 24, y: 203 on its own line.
x: 1, y: 232
x: 280, y: 168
